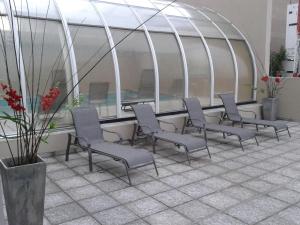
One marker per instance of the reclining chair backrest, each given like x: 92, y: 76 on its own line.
x: 86, y: 122
x: 195, y: 111
x: 146, y: 118
x: 230, y: 107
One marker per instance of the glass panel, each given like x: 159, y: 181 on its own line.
x: 208, y: 29
x: 136, y: 69
x: 229, y: 30
x: 48, y: 66
x: 81, y: 12
x: 199, y: 69
x: 246, y: 72
x: 141, y: 3
x: 119, y: 16
x: 8, y: 64
x: 171, y: 76
x: 98, y: 87
x: 223, y: 66
x: 2, y: 7
x: 183, y: 26
x: 155, y: 22
x: 40, y: 8
x: 213, y: 16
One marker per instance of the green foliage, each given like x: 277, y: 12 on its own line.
x: 277, y: 59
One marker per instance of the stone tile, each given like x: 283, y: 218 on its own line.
x: 146, y: 207
x: 291, y: 215
x: 230, y: 164
x: 64, y: 213
x: 115, y: 216
x: 72, y: 182
x: 168, y: 217
x: 97, y: 177
x: 246, y: 160
x: 77, y: 162
x: 153, y: 187
x: 87, y: 220
x: 221, y: 219
x: 196, y: 175
x: 247, y: 213
x: 176, y: 180
x: 252, y: 171
x: 56, y: 199
x: 195, y: 210
x: 51, y: 188
x: 266, y: 166
x: 162, y: 173
x: 98, y: 203
x: 219, y: 201
x: 178, y: 168
x: 290, y: 172
x: 130, y: 194
x: 112, y: 185
x: 239, y: 192
x: 55, y: 167
x: 213, y: 169
x: 275, y: 220
x: 172, y: 198
x: 268, y: 204
x: 274, y: 178
x: 61, y: 174
x: 84, y: 192
x: 216, y: 183
x: 137, y: 222
x: 258, y: 185
x: 236, y: 177
x: 286, y: 195
x: 196, y: 190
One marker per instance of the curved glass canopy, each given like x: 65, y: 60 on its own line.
x: 140, y: 51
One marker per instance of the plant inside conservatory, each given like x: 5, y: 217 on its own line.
x: 273, y: 85
x: 30, y: 114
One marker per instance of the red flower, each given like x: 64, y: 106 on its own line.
x: 265, y: 78
x: 295, y: 74
x: 278, y: 74
x: 278, y: 80
x: 12, y: 98
x: 49, y: 99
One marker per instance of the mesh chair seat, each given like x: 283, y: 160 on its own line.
x: 133, y: 157
x: 191, y: 143
x: 278, y: 125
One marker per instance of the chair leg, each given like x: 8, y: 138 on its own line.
x: 256, y: 141
x: 133, y: 135
x: 154, y: 144
x: 156, y: 170
x: 68, y: 147
x: 90, y: 160
x: 208, y: 152
x: 256, y: 127
x: 183, y: 128
x: 242, y: 145
x: 127, y: 173
x: 289, y: 132
x: 277, y: 136
x: 224, y: 136
x: 188, y: 156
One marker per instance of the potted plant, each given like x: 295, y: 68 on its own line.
x: 270, y: 103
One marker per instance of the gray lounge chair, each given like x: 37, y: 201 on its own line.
x: 232, y: 113
x: 197, y: 120
x: 89, y: 137
x: 149, y: 126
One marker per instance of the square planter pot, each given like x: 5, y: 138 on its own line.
x: 270, y: 108
x: 24, y: 192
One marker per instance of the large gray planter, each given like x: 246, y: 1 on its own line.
x: 270, y: 108
x: 24, y: 192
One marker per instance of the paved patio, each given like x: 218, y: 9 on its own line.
x: 259, y: 186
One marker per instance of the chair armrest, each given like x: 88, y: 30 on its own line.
x: 81, y: 138
x: 248, y: 111
x: 116, y: 134
x: 218, y: 117
x: 168, y: 123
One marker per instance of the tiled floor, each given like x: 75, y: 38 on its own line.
x: 259, y: 186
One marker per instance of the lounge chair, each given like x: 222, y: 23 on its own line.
x: 89, y: 137
x: 232, y: 113
x: 197, y: 120
x: 149, y: 126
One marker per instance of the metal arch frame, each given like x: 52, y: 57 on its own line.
x: 70, y: 45
x: 254, y: 92
x: 18, y: 50
x: 115, y: 59
x: 154, y: 58
x: 181, y: 49
x: 209, y: 55
x: 236, y: 69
